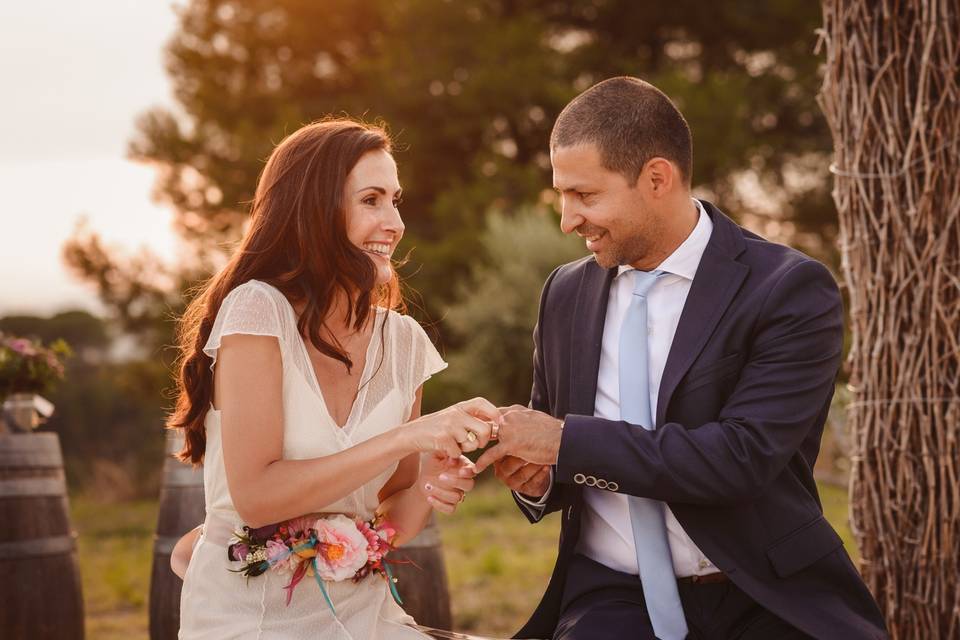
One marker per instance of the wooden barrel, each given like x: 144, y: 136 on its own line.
x: 40, y: 593
x: 181, y: 509
x: 422, y: 579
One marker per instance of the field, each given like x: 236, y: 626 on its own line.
x: 498, y: 564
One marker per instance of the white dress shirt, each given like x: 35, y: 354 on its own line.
x: 606, y: 533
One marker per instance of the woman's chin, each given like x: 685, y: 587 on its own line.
x: 384, y: 276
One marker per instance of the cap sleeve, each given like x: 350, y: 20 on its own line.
x: 425, y: 359
x: 248, y: 309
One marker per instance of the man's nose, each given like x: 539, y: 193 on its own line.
x: 570, y: 219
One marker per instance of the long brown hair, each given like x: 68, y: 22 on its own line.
x: 297, y: 242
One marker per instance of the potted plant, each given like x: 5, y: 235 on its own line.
x: 28, y: 369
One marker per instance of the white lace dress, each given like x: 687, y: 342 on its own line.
x: 216, y: 603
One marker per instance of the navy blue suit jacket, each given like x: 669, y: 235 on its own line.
x: 740, y: 412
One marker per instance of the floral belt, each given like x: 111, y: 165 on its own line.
x: 328, y: 548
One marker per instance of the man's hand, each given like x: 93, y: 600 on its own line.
x: 531, y: 480
x: 524, y: 433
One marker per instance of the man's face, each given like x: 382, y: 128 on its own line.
x: 602, y: 207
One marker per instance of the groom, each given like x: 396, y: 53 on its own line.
x: 682, y: 376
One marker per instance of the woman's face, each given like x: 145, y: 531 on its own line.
x: 371, y: 197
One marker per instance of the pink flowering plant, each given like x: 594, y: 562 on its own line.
x: 27, y: 366
x: 329, y: 548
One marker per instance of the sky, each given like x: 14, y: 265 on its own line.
x: 74, y: 76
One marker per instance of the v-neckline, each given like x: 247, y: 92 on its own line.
x: 361, y: 391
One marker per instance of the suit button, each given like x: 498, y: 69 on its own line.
x: 579, y: 478
x: 613, y: 486
x: 591, y: 481
x: 601, y: 484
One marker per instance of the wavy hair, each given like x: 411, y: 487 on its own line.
x: 297, y: 242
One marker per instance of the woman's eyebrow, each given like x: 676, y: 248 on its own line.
x: 379, y: 190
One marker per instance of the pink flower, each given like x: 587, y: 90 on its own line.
x: 280, y: 557
x: 23, y: 347
x: 341, y: 548
x: 374, y: 553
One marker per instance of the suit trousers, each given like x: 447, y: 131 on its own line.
x: 600, y: 603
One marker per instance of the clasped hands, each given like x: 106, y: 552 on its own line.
x: 527, y: 444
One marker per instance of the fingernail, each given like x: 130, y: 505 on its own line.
x: 428, y: 487
x: 444, y: 477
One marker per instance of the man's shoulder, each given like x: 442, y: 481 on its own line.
x: 775, y: 259
x: 571, y: 273
x: 560, y: 289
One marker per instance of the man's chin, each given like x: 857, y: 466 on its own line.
x: 605, y: 260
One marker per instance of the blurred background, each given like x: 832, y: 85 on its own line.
x: 132, y: 134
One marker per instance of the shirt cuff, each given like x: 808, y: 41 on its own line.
x: 542, y: 501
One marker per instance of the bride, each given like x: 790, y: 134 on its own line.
x: 299, y: 391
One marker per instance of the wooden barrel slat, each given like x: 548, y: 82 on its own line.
x: 40, y: 589
x: 181, y: 509
x: 19, y: 457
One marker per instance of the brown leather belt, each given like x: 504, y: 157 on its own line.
x: 710, y: 578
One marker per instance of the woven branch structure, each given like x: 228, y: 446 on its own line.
x: 891, y: 95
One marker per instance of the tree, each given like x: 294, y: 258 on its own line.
x: 471, y: 88
x: 892, y: 98
x: 496, y: 308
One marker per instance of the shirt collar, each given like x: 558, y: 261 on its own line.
x: 685, y: 259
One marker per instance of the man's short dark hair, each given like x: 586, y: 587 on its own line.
x: 630, y: 121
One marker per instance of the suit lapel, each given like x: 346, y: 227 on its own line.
x: 589, y: 316
x: 715, y: 284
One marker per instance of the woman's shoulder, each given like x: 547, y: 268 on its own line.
x: 254, y: 294
x: 406, y: 325
x: 252, y: 305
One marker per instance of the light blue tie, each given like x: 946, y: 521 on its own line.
x: 647, y: 516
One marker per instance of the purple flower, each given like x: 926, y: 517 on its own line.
x: 238, y: 552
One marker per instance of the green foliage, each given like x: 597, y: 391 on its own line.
x: 496, y: 308
x: 471, y: 89
x: 80, y: 329
x: 109, y: 413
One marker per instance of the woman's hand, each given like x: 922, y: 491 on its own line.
x: 183, y: 552
x: 445, y: 481
x: 461, y: 428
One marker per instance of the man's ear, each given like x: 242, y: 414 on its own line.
x: 659, y: 175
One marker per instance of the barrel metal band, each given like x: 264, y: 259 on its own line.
x: 33, y: 487
x: 429, y: 537
x: 179, y: 475
x: 163, y: 545
x: 38, y: 547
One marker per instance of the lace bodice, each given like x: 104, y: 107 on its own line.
x: 400, y: 358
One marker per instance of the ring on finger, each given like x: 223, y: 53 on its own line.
x: 471, y: 436
x: 463, y: 494
x: 494, y: 431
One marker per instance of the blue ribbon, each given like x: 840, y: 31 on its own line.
x: 393, y: 587
x: 323, y: 588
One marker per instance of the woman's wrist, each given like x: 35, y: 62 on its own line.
x: 401, y: 442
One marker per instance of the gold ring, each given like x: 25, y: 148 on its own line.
x: 494, y: 431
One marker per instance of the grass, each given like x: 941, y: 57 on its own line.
x: 498, y: 563
x: 116, y: 550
